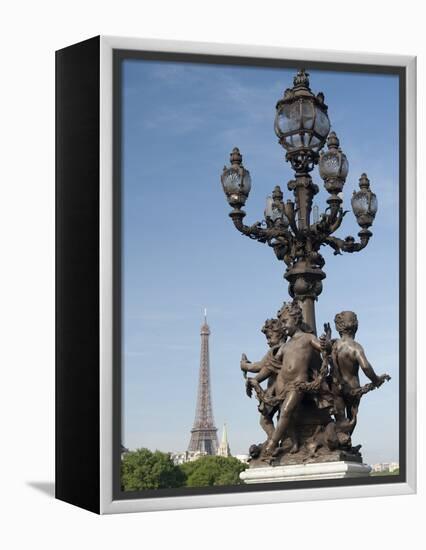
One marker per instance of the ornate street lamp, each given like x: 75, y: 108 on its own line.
x: 303, y: 128
x: 236, y: 181
x: 302, y: 124
x: 364, y: 203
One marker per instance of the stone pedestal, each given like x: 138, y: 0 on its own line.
x: 301, y: 472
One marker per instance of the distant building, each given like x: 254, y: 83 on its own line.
x: 242, y: 458
x: 186, y: 456
x: 380, y: 467
x: 385, y: 467
x: 223, y: 449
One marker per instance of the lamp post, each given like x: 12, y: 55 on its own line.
x: 303, y: 128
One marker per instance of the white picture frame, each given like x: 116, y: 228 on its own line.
x: 108, y: 504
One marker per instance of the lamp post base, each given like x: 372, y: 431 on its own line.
x: 302, y: 472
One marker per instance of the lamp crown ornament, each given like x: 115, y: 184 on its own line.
x: 235, y: 157
x: 301, y: 79
x: 333, y: 141
x: 364, y: 182
x: 277, y: 194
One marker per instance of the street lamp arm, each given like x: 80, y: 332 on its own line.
x: 328, y: 224
x: 338, y: 221
x: 349, y: 244
x: 254, y: 231
x: 278, y: 237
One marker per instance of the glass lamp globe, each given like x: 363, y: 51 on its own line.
x: 364, y: 203
x: 333, y: 165
x: 301, y: 120
x: 236, y: 181
x: 274, y: 213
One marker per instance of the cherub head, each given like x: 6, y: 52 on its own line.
x: 291, y: 317
x: 273, y: 331
x: 346, y: 323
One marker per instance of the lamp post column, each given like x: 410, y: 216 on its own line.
x: 304, y: 276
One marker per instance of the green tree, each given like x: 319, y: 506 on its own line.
x: 213, y: 470
x: 144, y: 469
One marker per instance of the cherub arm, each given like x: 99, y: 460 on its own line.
x: 260, y: 367
x: 263, y: 374
x: 368, y: 369
x: 316, y: 343
x: 324, y: 342
x: 257, y: 366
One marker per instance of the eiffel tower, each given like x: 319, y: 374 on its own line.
x: 204, y: 432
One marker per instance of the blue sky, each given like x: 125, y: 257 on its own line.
x: 181, y: 252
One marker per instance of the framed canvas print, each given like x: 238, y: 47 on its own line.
x: 235, y: 275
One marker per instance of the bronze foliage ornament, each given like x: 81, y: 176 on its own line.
x: 309, y: 403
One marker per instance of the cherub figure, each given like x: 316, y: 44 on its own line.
x: 300, y: 361
x: 266, y: 369
x: 347, y: 356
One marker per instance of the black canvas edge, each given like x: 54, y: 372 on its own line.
x: 77, y: 420
x: 118, y: 56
